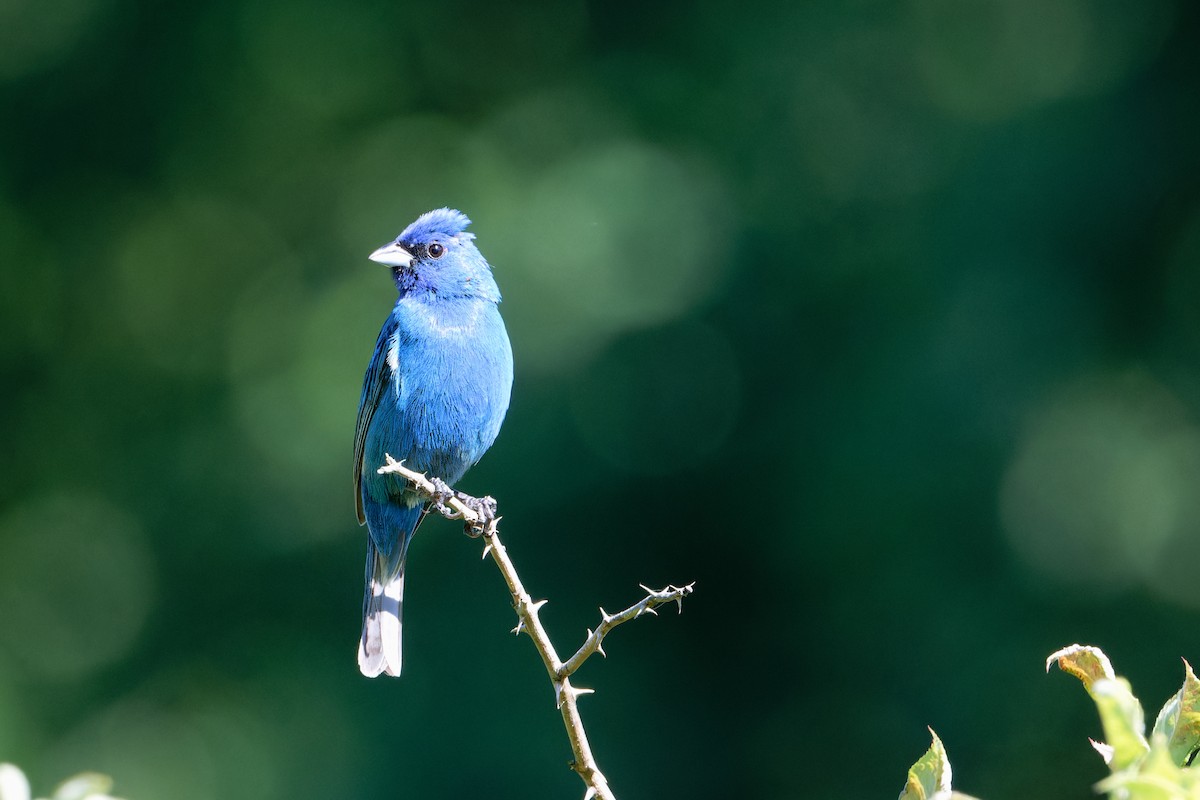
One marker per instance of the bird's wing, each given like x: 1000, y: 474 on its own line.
x: 375, y: 384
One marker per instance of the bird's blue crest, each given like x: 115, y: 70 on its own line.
x: 443, y: 221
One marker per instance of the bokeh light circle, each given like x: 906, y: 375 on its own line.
x: 616, y: 237
x: 76, y: 583
x: 1102, y: 483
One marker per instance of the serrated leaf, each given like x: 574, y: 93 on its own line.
x: 1123, y: 720
x: 1085, y: 662
x: 13, y: 784
x: 1121, y: 713
x: 1179, y: 720
x: 930, y: 776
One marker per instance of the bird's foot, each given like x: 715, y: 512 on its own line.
x: 485, y: 511
x: 484, y: 508
x: 441, y: 495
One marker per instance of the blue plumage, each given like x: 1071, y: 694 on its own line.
x: 434, y: 396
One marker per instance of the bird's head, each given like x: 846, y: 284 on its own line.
x: 435, y: 255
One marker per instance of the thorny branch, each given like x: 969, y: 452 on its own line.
x: 595, y: 638
x: 479, y: 516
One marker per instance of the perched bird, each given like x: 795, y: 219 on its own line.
x: 434, y: 395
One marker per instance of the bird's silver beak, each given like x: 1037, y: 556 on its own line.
x: 393, y: 255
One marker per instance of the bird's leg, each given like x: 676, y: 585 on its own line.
x: 441, y: 495
x: 484, y: 507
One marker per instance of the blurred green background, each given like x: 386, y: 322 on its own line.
x: 876, y: 319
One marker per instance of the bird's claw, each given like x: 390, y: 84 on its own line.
x: 441, y: 495
x: 485, y: 513
x: 442, y: 491
x: 484, y: 507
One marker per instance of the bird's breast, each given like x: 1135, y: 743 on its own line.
x: 451, y: 373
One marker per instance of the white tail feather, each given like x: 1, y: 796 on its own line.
x: 379, y: 649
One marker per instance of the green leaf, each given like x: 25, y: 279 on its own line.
x: 1123, y: 720
x: 1121, y: 713
x: 1085, y: 662
x: 1179, y: 720
x: 929, y: 778
x: 1155, y: 778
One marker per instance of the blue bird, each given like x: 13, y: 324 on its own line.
x: 434, y: 396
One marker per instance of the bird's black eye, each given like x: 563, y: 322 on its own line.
x: 436, y: 250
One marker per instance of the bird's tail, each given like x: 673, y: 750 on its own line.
x: 379, y: 650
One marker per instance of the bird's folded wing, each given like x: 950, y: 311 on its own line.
x: 375, y: 384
